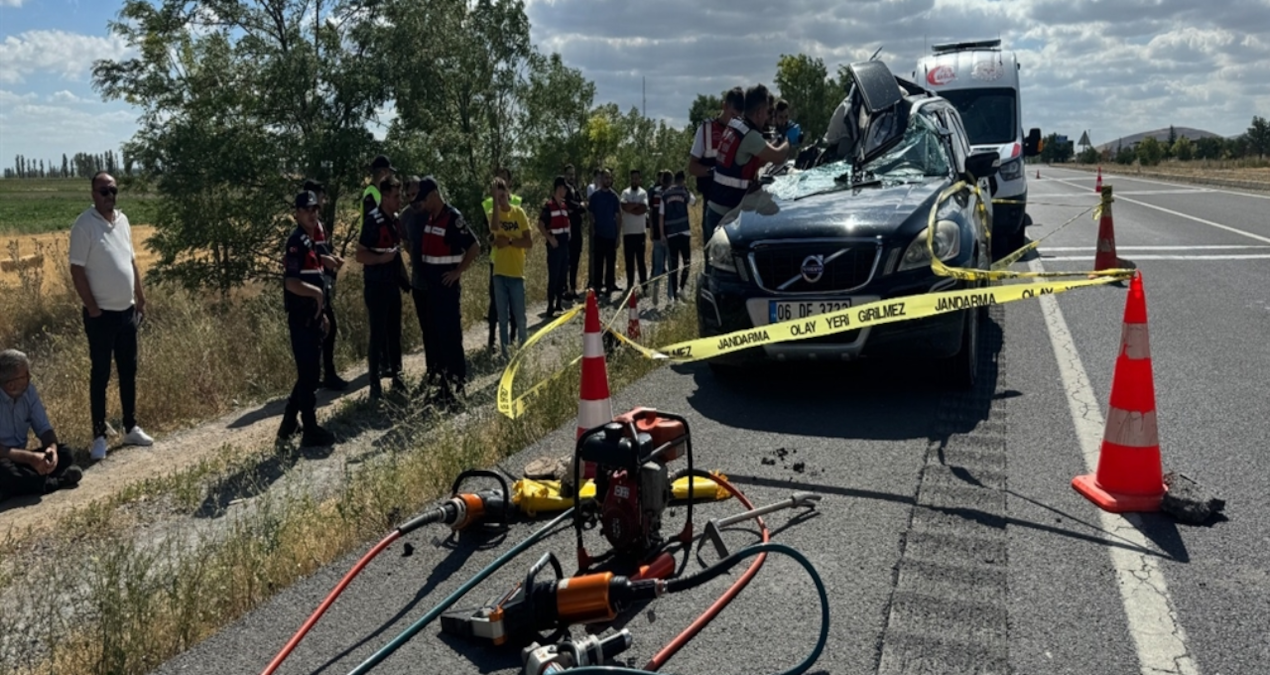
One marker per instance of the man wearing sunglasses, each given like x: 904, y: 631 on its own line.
x: 22, y: 471
x: 104, y: 269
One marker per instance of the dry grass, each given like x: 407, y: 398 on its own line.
x: 142, y: 601
x: 1252, y: 171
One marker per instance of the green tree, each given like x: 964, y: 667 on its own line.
x: 1209, y: 147
x: 1125, y: 156
x: 66, y: 171
x: 1055, y: 152
x: 1089, y: 155
x: 1168, y: 147
x: 240, y: 100
x: 1258, y: 136
x: 703, y: 108
x: 805, y: 83
x: 1149, y: 151
x: 1184, y: 149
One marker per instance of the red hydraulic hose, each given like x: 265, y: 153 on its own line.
x: 335, y: 593
x: 671, y: 648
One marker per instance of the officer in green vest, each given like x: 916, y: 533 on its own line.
x: 381, y: 168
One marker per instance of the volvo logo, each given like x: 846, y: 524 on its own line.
x: 813, y: 268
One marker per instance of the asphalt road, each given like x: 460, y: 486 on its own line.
x: 949, y: 537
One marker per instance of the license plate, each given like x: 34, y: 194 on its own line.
x: 788, y: 310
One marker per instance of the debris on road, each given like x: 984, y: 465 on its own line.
x: 1188, y: 501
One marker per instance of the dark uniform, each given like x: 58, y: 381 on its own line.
x: 332, y: 376
x: 382, y: 234
x: 446, y: 239
x: 577, y: 209
x: 305, y: 325
x: 555, y: 215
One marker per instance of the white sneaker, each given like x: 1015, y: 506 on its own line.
x: 99, y: 448
x: 136, y: 436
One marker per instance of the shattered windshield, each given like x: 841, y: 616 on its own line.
x: 919, y: 155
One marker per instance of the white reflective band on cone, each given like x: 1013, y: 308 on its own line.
x: 592, y: 345
x: 594, y: 413
x: 1131, y: 429
x: 1134, y: 341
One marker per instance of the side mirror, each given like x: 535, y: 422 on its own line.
x: 1032, y: 144
x: 982, y: 165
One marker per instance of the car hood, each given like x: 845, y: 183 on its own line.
x: 887, y: 211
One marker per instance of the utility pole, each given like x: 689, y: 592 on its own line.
x: 644, y: 92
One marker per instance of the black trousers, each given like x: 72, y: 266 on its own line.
x: 328, y: 344
x: 20, y: 479
x: 306, y: 348
x: 634, y: 245
x: 383, y: 311
x: 575, y: 253
x: 557, y: 269
x: 444, y: 346
x: 605, y: 264
x: 112, y: 335
x: 491, y: 317
x: 680, y: 249
x: 420, y: 297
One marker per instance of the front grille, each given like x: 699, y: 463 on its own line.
x: 848, y: 265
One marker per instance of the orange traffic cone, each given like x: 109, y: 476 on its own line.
x: 1098, y: 183
x: 1105, y: 256
x: 632, y: 314
x: 594, y: 407
x: 1129, y: 476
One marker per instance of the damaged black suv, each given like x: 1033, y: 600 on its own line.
x: 850, y: 228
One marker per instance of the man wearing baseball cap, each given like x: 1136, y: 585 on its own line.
x: 445, y: 250
x: 331, y: 265
x: 305, y: 295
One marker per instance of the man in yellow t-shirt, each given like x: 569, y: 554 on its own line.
x: 512, y: 237
x: 492, y: 315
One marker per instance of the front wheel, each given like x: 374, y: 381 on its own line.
x: 961, y: 369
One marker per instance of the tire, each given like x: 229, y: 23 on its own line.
x: 961, y: 369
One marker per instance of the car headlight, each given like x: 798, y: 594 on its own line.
x: 947, y: 245
x: 719, y: 251
x: 1012, y: 170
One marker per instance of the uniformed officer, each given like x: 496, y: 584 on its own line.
x: 331, y: 264
x: 305, y: 296
x: 555, y: 226
x: 742, y: 152
x: 379, y: 251
x: 380, y: 168
x: 447, y: 249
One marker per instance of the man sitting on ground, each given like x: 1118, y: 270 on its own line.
x: 22, y: 471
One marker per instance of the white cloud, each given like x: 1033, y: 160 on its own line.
x: 66, y: 97
x: 1113, y: 68
x: 56, y: 52
x: 40, y: 130
x: 11, y: 3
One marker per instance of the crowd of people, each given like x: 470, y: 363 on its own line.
x: 405, y: 217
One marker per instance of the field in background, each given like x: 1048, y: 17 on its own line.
x: 1248, y: 173
x: 36, y: 205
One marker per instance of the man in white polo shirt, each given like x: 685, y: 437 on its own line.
x: 104, y: 269
x: 634, y: 224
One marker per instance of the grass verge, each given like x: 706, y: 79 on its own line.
x: 140, y: 604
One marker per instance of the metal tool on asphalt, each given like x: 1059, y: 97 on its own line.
x: 535, y: 606
x: 632, y: 483
x: 589, y: 651
x: 714, y: 527
x: 461, y: 511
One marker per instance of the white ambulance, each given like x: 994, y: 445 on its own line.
x: 982, y: 82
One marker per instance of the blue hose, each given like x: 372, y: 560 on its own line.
x: 750, y: 552
x: 432, y: 614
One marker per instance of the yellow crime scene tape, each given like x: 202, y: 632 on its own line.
x: 880, y: 312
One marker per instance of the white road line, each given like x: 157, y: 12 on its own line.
x: 1180, y: 182
x: 1206, y: 247
x: 1251, y: 256
x: 1094, y: 195
x: 1198, y: 220
x: 1157, y: 636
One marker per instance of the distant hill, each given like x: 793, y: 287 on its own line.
x: 1159, y: 135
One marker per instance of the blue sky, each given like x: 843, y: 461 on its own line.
x: 1113, y: 68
